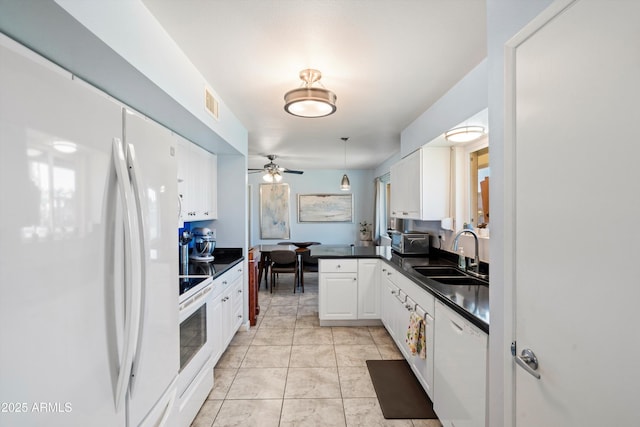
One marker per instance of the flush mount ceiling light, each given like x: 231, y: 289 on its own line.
x: 345, y: 185
x: 308, y: 101
x: 464, y: 134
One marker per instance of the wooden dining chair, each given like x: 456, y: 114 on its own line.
x: 263, y: 268
x: 284, y: 262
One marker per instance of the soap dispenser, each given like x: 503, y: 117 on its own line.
x: 462, y: 262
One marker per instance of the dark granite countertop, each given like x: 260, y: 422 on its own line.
x: 470, y: 301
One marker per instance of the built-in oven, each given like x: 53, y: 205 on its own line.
x: 196, y: 342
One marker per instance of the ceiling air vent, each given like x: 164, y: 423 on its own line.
x: 210, y: 103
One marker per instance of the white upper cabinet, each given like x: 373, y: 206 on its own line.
x: 197, y: 182
x: 420, y: 185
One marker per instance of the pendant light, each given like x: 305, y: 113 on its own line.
x: 308, y: 101
x: 345, y: 185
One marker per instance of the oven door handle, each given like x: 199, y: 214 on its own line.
x: 132, y: 273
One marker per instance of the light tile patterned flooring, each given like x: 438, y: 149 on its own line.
x: 288, y: 371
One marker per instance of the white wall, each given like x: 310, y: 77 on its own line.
x: 314, y: 182
x: 504, y: 19
x: 465, y: 99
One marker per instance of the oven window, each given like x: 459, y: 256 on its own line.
x: 193, y: 335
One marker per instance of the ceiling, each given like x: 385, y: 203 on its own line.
x: 387, y: 61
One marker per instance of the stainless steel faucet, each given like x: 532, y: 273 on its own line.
x: 474, y: 266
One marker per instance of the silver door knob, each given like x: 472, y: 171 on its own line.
x: 528, y: 361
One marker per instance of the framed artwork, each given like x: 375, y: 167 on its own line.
x: 325, y: 207
x: 274, y: 211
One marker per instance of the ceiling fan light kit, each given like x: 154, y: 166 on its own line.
x: 272, y: 177
x: 272, y: 172
x: 309, y: 101
x: 464, y: 133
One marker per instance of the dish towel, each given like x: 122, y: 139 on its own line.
x: 422, y: 340
x: 416, y: 337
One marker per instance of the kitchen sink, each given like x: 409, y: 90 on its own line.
x: 439, y: 271
x: 462, y: 281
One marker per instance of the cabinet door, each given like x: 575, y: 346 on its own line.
x: 198, y: 184
x: 216, y: 330
x: 400, y: 322
x: 368, y: 289
x: 387, y: 297
x: 183, y: 155
x: 406, y: 188
x: 237, y: 295
x: 227, y: 317
x: 423, y: 368
x: 435, y: 175
x: 338, y: 296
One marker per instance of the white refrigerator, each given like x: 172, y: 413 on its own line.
x: 89, y: 331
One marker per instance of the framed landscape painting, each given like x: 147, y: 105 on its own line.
x: 325, y: 207
x: 274, y: 211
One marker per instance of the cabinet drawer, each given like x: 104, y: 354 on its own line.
x: 230, y: 276
x: 338, y: 265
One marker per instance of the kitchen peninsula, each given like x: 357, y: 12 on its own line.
x: 472, y: 302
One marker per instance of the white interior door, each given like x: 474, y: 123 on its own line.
x: 574, y: 74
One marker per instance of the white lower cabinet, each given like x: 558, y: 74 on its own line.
x: 387, y: 301
x: 349, y: 289
x: 338, y: 289
x: 368, y: 288
x: 460, y: 370
x: 227, y: 313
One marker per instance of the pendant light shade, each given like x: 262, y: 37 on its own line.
x: 345, y: 185
x: 308, y: 101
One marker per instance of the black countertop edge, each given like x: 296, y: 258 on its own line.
x: 223, y: 268
x: 444, y: 293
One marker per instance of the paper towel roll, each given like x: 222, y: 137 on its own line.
x: 446, y: 223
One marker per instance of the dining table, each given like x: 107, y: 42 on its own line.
x: 265, y: 251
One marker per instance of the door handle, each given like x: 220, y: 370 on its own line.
x: 528, y: 361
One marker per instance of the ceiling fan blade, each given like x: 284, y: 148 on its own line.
x: 254, y: 170
x: 293, y: 171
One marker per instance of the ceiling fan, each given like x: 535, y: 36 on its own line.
x: 272, y: 171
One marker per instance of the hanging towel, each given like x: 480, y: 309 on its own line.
x: 413, y: 339
x: 422, y: 340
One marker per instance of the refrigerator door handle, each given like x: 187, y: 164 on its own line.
x: 134, y: 174
x: 132, y: 272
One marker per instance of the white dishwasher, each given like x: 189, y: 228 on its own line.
x: 460, y: 370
